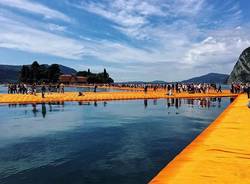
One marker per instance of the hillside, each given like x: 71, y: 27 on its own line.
x: 209, y: 78
x: 10, y: 73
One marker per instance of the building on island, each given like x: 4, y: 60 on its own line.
x: 72, y: 79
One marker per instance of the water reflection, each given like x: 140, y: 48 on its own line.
x: 43, y: 110
x: 145, y: 103
x: 100, y: 142
x: 173, y: 103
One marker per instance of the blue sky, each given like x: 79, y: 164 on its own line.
x: 133, y: 39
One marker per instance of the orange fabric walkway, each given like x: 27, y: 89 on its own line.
x: 220, y: 154
x: 102, y: 96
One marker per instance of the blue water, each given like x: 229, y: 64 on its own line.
x: 120, y: 142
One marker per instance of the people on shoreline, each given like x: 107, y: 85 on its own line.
x: 61, y: 88
x: 170, y: 88
x: 219, y: 89
x: 95, y: 88
x: 145, y: 89
x: 248, y: 91
x: 43, y: 89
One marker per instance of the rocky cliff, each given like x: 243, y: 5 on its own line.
x: 241, y: 70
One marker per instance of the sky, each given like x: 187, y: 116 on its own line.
x: 134, y: 40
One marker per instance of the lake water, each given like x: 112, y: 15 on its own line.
x: 125, y: 142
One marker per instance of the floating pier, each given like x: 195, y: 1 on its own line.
x: 103, y: 96
x: 220, y: 154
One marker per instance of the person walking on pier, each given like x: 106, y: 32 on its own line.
x: 9, y: 88
x: 169, y: 90
x: 219, y: 89
x: 33, y: 89
x: 50, y: 88
x: 62, y: 88
x: 145, y: 89
x: 43, y: 89
x: 248, y: 90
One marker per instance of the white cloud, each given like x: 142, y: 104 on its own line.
x: 16, y: 35
x: 170, y: 35
x: 35, y: 8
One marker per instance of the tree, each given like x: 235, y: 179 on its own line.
x: 43, y: 73
x: 53, y: 73
x: 40, y: 73
x: 105, y: 74
x: 25, y: 74
x: 83, y: 74
x: 35, y: 71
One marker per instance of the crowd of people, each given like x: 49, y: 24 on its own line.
x: 178, y: 88
x: 170, y: 88
x: 22, y: 88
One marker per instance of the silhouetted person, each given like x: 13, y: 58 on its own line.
x: 49, y: 88
x: 33, y: 89
x: 43, y: 90
x: 80, y: 94
x: 62, y: 88
x: 219, y: 89
x: 248, y: 90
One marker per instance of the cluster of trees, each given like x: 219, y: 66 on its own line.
x: 39, y: 73
x: 50, y: 74
x: 102, y: 77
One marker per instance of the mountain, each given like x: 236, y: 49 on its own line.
x: 10, y: 73
x: 209, y: 78
x: 158, y: 82
x: 67, y: 70
x: 143, y: 82
x: 241, y: 70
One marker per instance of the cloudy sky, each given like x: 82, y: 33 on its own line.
x: 133, y: 39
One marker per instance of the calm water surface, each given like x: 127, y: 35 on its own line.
x: 125, y: 142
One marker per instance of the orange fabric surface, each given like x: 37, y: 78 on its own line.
x: 102, y: 96
x: 220, y: 154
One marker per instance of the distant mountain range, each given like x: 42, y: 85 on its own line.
x: 143, y: 82
x: 10, y: 73
x: 209, y: 78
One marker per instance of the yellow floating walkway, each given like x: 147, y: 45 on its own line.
x: 219, y: 155
x: 102, y: 96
